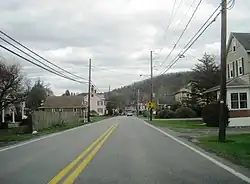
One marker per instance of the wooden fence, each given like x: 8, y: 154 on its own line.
x: 43, y: 119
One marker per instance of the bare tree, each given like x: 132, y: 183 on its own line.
x: 12, y: 88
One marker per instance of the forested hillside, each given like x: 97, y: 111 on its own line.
x: 164, y: 87
x: 206, y: 74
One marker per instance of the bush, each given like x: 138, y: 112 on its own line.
x: 175, y: 106
x: 197, y: 109
x: 211, y: 114
x: 93, y: 113
x: 165, y: 114
x: 145, y: 113
x: 185, y: 112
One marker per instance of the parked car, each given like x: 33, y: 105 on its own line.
x: 129, y: 114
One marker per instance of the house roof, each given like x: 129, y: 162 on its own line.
x: 244, y: 39
x: 234, y: 83
x: 63, y: 102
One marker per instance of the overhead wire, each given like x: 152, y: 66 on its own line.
x: 193, y: 39
x: 182, y: 33
x: 61, y: 74
x: 171, y: 18
x: 14, y: 40
x: 49, y: 70
x: 183, y: 18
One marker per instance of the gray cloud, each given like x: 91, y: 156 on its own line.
x: 116, y: 34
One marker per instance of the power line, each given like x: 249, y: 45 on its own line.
x: 191, y: 41
x: 61, y: 74
x: 190, y: 7
x: 184, y: 30
x: 5, y: 34
x: 51, y: 71
x: 169, y: 23
x: 189, y: 46
x: 170, y: 19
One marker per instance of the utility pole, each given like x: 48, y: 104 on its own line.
x: 89, y: 90
x: 223, y: 89
x: 151, y: 74
x: 138, y: 101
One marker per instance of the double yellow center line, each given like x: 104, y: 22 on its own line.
x: 68, y: 175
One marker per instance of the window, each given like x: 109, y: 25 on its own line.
x: 234, y: 101
x: 234, y: 45
x: 100, y: 110
x: 92, y: 95
x: 243, y: 100
x: 237, y: 68
x: 75, y: 110
x: 238, y: 100
x: 99, y: 102
x: 241, y: 66
x: 228, y: 71
x: 231, y: 69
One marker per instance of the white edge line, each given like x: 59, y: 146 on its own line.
x: 227, y: 168
x: 46, y: 136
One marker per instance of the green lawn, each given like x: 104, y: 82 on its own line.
x: 97, y: 118
x: 236, y: 148
x: 188, y: 124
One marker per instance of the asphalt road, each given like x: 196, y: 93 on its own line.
x: 130, y: 153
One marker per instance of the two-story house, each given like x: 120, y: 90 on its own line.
x: 238, y: 75
x: 184, y: 93
x: 97, y: 101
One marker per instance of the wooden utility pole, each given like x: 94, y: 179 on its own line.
x: 151, y: 76
x: 138, y: 101
x: 223, y: 89
x: 89, y: 93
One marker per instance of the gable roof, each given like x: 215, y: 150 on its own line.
x: 244, y: 39
x: 63, y: 102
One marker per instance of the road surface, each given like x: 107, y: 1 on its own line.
x: 130, y: 152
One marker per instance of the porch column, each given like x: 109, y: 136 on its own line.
x: 3, y: 112
x: 22, y: 109
x: 13, y: 116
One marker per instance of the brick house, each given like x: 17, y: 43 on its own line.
x: 238, y: 75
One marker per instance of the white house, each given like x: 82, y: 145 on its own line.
x: 97, y: 102
x: 184, y: 93
x: 238, y: 75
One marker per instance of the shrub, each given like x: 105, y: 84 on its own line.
x: 93, y: 113
x: 175, y: 106
x: 211, y: 114
x: 145, y: 113
x: 165, y: 114
x: 197, y: 109
x: 185, y: 112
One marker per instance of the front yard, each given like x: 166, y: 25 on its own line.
x: 180, y: 124
x: 236, y: 148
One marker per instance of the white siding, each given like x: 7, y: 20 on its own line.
x: 236, y: 90
x: 93, y: 103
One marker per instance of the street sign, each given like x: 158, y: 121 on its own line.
x: 151, y: 105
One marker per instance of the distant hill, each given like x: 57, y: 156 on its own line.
x: 164, y: 87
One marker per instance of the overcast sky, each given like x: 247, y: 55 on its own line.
x: 117, y: 34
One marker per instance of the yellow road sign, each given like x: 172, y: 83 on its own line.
x: 151, y: 105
